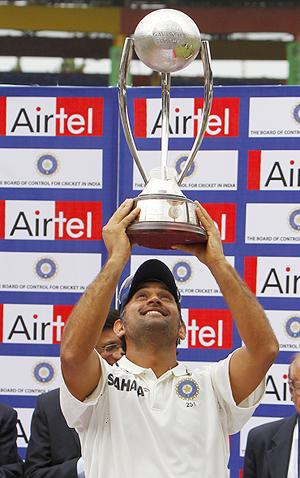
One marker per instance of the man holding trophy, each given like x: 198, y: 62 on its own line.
x: 151, y: 416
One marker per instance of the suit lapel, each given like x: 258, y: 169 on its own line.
x: 76, y: 438
x: 278, y: 456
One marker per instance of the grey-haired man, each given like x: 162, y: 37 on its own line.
x: 152, y: 416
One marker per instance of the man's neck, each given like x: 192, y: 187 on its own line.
x: 159, y: 361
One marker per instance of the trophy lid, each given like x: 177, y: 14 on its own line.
x: 167, y: 40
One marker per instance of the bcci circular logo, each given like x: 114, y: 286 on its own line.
x: 182, y: 271
x: 187, y: 389
x: 296, y: 113
x: 47, y: 164
x: 294, y: 220
x: 292, y: 327
x: 46, y: 268
x: 180, y: 165
x: 44, y: 372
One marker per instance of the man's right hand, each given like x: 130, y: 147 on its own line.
x: 211, y: 252
x: 114, y: 232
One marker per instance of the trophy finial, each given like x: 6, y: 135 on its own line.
x: 167, y: 40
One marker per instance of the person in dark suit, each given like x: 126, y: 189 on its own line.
x: 54, y: 448
x: 272, y: 448
x: 11, y: 465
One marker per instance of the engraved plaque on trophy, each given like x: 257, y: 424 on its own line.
x: 166, y: 41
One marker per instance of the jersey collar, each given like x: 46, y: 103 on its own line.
x: 179, y: 370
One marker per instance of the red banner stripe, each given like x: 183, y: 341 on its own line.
x: 254, y: 163
x: 2, y: 115
x: 140, y: 118
x: 1, y: 323
x: 250, y: 272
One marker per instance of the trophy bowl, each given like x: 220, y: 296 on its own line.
x: 167, y: 217
x: 175, y: 222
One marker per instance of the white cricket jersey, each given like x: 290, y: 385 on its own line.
x: 135, y: 425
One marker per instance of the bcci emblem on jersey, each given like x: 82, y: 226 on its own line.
x: 187, y: 389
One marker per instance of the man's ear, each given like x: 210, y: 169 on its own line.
x: 182, y: 330
x: 118, y: 328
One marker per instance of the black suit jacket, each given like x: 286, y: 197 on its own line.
x: 54, y: 448
x: 268, y: 449
x: 11, y: 465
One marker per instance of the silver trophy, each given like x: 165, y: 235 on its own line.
x: 165, y: 40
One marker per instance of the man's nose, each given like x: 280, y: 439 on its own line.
x: 153, y: 298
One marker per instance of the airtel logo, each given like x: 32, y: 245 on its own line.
x: 48, y: 116
x: 209, y: 328
x: 51, y: 220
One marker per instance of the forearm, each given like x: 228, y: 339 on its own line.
x: 249, y: 316
x: 86, y: 321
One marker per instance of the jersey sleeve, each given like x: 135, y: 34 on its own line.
x: 233, y: 416
x: 78, y: 413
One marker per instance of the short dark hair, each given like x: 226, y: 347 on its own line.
x: 113, y: 315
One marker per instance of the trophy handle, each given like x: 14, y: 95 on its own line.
x: 124, y: 67
x: 165, y: 87
x: 208, y: 95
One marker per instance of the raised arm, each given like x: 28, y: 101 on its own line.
x: 79, y: 361
x: 250, y: 363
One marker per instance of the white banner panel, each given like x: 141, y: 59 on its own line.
x: 211, y: 170
x: 274, y: 117
x: 47, y: 272
x: 51, y: 168
x: 286, y: 325
x: 272, y: 223
x: 29, y: 375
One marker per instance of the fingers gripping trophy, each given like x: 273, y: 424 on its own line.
x: 166, y: 41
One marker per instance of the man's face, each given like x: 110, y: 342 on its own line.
x: 153, y: 308
x: 294, y: 378
x: 110, y: 346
